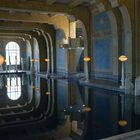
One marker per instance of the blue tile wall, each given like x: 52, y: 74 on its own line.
x: 102, y: 54
x: 61, y: 60
x: 101, y: 43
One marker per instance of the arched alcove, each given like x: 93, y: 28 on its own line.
x: 37, y: 91
x: 114, y: 44
x: 104, y: 46
x: 36, y: 55
x: 28, y: 55
x: 61, y: 54
x: 127, y: 39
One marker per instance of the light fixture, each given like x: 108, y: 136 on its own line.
x: 87, y: 59
x: 87, y: 109
x: 122, y: 122
x: 1, y: 60
x: 37, y: 88
x: 32, y: 60
x: 123, y: 59
x: 47, y: 60
x: 47, y: 93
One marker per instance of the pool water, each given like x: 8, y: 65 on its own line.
x: 31, y: 105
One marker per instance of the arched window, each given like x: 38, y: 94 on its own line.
x: 14, y: 88
x: 12, y: 53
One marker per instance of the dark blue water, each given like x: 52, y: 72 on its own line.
x: 61, y: 108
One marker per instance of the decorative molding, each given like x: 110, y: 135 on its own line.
x: 75, y: 3
x: 50, y: 2
x: 114, y: 3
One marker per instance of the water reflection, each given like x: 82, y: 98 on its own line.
x: 13, y: 88
x: 66, y: 108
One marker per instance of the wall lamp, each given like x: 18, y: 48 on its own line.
x: 87, y: 59
x: 123, y: 59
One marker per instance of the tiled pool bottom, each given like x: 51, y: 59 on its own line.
x: 63, y: 109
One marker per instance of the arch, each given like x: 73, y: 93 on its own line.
x: 127, y: 39
x: 12, y: 50
x: 36, y: 55
x: 52, y: 52
x: 48, y: 51
x: 37, y: 91
x: 28, y: 55
x: 114, y: 44
x: 105, y: 46
x: 86, y: 69
x: 13, y: 88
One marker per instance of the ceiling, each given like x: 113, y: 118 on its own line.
x: 72, y: 3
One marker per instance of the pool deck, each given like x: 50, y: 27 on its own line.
x: 104, y: 84
x: 133, y: 135
x: 101, y: 84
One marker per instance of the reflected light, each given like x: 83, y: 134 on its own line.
x: 87, y: 59
x: 123, y: 58
x: 13, y: 88
x: 87, y: 109
x: 32, y: 60
x: 47, y: 93
x: 122, y: 123
x: 37, y: 88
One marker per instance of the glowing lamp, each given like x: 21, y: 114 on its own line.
x: 122, y: 123
x: 1, y: 60
x: 87, y: 109
x: 123, y: 58
x: 48, y: 93
x: 37, y: 88
x: 87, y: 59
x: 33, y: 87
x: 32, y: 60
x: 47, y: 60
x: 7, y: 86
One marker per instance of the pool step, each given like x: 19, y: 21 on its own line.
x: 133, y: 135
x: 68, y: 138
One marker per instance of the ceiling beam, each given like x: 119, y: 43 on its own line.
x: 33, y: 6
x: 36, y: 6
x: 40, y: 7
x: 75, y: 3
x: 24, y: 17
x: 50, y: 2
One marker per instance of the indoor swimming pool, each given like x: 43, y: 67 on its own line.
x: 61, y: 108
